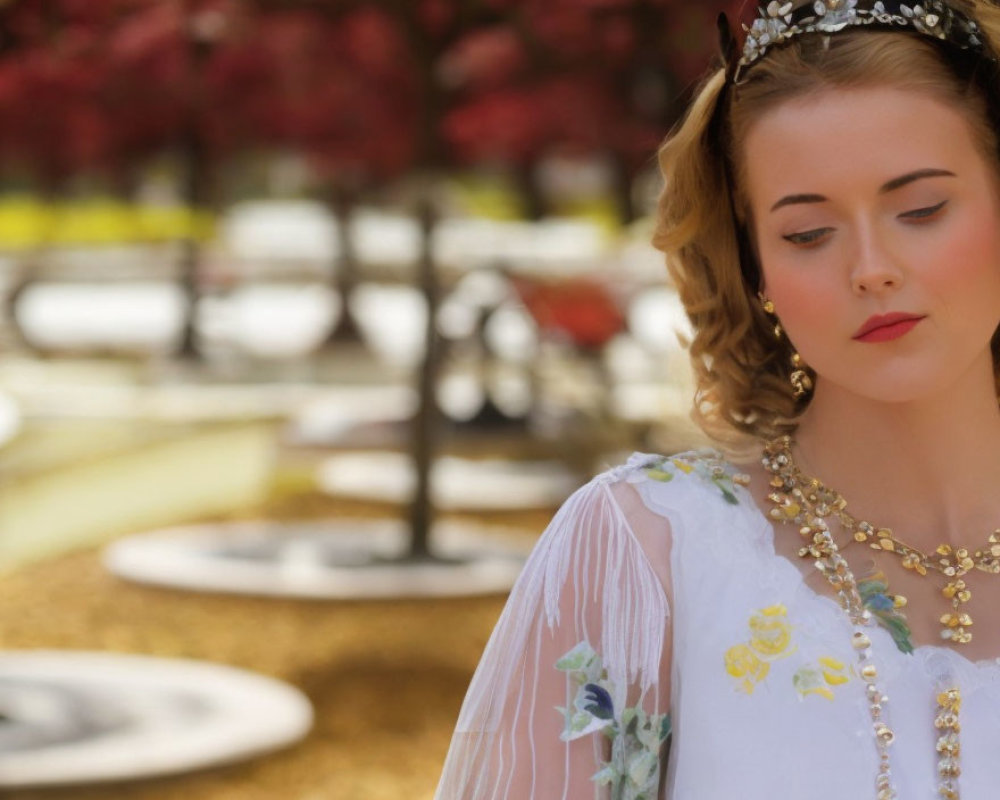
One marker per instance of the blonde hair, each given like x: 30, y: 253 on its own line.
x: 741, y: 369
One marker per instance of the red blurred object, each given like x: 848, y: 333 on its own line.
x: 582, y: 309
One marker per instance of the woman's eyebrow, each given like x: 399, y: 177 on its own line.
x: 909, y: 177
x: 895, y: 183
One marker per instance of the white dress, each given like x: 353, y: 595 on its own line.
x: 764, y: 699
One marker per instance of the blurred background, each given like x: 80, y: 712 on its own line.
x: 312, y: 312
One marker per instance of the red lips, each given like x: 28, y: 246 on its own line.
x: 887, y: 326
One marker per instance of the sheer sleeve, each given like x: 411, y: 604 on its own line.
x: 571, y: 697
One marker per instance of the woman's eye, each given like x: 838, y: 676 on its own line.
x: 806, y: 237
x: 921, y: 213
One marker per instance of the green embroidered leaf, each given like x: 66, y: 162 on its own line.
x: 659, y: 475
x: 654, y: 732
x: 726, y: 492
x: 665, y: 727
x: 898, y: 629
x: 872, y: 586
x: 641, y: 766
x: 632, y: 725
x: 577, y: 659
x: 807, y: 678
x: 582, y: 724
x: 607, y: 774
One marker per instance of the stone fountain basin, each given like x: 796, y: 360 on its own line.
x: 329, y: 560
x: 457, y: 484
x: 70, y: 717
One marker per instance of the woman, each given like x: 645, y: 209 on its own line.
x: 831, y: 218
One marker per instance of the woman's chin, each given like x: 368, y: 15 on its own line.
x: 887, y: 390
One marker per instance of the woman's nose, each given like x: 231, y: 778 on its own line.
x: 875, y: 269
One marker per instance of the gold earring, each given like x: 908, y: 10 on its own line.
x: 801, y: 382
x: 768, y: 306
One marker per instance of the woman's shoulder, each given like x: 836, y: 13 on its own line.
x: 666, y: 481
x: 646, y: 502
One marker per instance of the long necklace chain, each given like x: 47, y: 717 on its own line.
x: 953, y: 563
x: 807, y: 503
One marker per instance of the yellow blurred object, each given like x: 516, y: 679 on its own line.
x: 165, y: 223
x: 489, y: 198
x: 602, y: 211
x: 26, y: 223
x: 97, y: 221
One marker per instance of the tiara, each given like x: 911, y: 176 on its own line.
x: 780, y: 21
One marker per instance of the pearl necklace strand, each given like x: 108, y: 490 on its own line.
x: 796, y: 501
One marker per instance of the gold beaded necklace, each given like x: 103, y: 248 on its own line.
x: 953, y: 563
x: 807, y: 503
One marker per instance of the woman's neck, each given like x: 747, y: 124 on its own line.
x: 929, y: 469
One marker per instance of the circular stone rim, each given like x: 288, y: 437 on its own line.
x: 282, y: 713
x: 488, y: 560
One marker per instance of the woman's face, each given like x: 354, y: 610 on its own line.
x: 869, y: 203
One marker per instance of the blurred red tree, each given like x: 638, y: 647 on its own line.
x: 604, y: 77
x: 368, y: 88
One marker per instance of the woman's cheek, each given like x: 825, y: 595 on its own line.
x: 957, y: 267
x: 974, y: 249
x: 801, y: 288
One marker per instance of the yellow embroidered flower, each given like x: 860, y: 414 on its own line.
x: 683, y: 466
x: 770, y: 631
x: 771, y: 640
x: 834, y: 672
x: 743, y: 664
x: 812, y: 679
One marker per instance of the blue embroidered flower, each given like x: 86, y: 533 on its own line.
x: 598, y: 701
x: 874, y: 591
x: 879, y: 602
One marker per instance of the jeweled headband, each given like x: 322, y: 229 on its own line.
x: 780, y: 21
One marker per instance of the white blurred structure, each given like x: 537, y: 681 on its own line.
x: 656, y: 318
x: 554, y: 246
x: 119, y: 316
x: 392, y: 319
x: 270, y: 320
x: 287, y: 231
x: 383, y: 238
x: 269, y: 293
x: 323, y: 419
x: 266, y: 320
